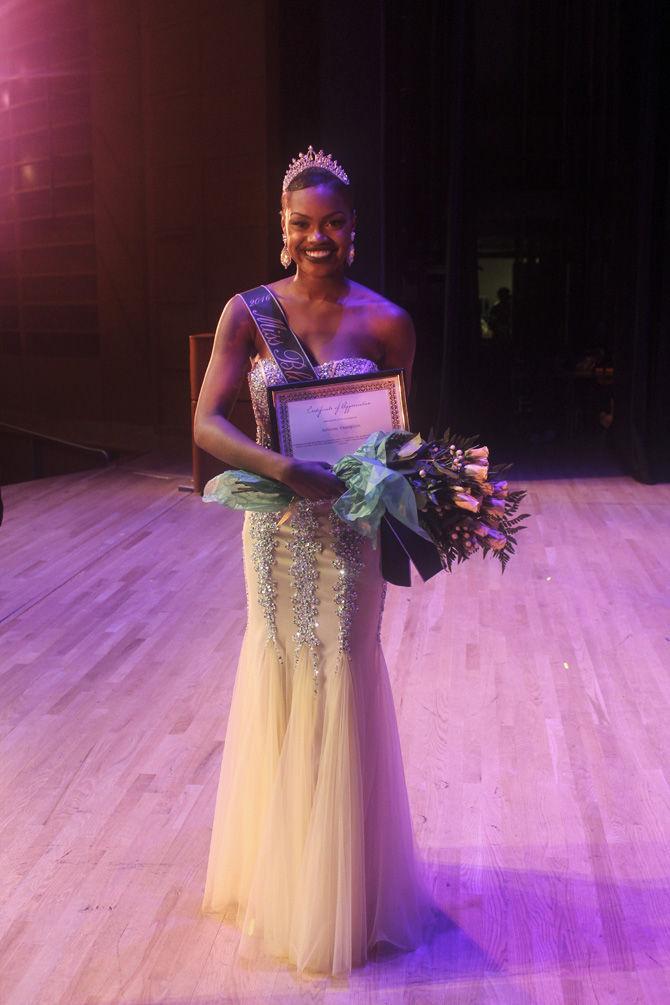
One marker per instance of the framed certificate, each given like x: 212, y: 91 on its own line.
x: 322, y: 420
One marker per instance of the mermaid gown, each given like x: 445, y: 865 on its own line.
x: 312, y: 851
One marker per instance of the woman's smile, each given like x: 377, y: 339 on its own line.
x: 318, y: 254
x: 318, y: 222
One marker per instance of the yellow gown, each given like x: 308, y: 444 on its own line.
x: 312, y: 851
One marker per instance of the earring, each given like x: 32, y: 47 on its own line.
x: 284, y: 256
x: 351, y: 254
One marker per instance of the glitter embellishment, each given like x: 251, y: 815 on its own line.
x: 263, y: 529
x: 305, y: 546
x: 347, y: 561
x: 261, y: 374
x: 313, y: 158
x: 381, y: 610
x: 304, y: 542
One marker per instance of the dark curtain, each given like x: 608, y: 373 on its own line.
x: 330, y: 59
x: 642, y: 308
x: 542, y: 129
x: 460, y: 313
x: 430, y: 249
x: 474, y: 125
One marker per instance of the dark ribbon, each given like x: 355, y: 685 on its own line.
x: 398, y: 543
x: 399, y: 546
x: 272, y: 323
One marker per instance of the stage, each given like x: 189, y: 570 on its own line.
x: 533, y: 710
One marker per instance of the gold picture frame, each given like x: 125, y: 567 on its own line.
x: 322, y: 420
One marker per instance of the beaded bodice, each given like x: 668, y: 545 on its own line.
x: 309, y: 529
x: 266, y: 372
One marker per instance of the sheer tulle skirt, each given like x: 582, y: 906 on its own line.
x: 312, y: 852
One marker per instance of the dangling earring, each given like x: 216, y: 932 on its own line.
x: 284, y: 256
x: 351, y: 254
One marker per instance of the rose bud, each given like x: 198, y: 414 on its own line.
x: 477, y: 471
x: 495, y: 505
x: 495, y: 540
x: 477, y: 453
x: 466, y: 501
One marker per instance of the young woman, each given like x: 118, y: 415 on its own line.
x: 312, y: 852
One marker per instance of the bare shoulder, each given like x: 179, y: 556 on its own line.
x: 235, y: 327
x: 234, y: 311
x: 280, y: 285
x: 363, y: 296
x: 395, y: 321
x: 391, y: 323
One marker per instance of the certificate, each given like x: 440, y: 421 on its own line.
x: 322, y: 420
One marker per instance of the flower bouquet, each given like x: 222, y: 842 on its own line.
x: 443, y: 489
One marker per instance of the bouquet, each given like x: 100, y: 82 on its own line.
x: 443, y: 489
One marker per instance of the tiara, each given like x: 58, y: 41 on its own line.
x: 313, y: 159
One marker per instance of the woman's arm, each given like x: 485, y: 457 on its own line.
x: 399, y: 342
x: 233, y: 345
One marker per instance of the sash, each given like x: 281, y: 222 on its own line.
x: 272, y: 323
x: 399, y: 545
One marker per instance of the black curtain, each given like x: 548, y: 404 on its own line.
x: 329, y: 66
x: 470, y: 125
x: 460, y: 320
x: 430, y: 221
x: 641, y: 308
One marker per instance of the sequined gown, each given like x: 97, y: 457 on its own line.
x: 312, y: 852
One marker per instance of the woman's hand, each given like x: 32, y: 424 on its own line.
x: 313, y: 480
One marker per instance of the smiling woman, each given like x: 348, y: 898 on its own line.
x: 312, y: 852
x: 324, y: 240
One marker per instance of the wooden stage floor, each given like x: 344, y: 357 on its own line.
x: 534, y: 716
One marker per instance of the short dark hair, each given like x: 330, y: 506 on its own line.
x: 313, y: 176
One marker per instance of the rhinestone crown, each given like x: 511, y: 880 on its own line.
x: 313, y: 159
